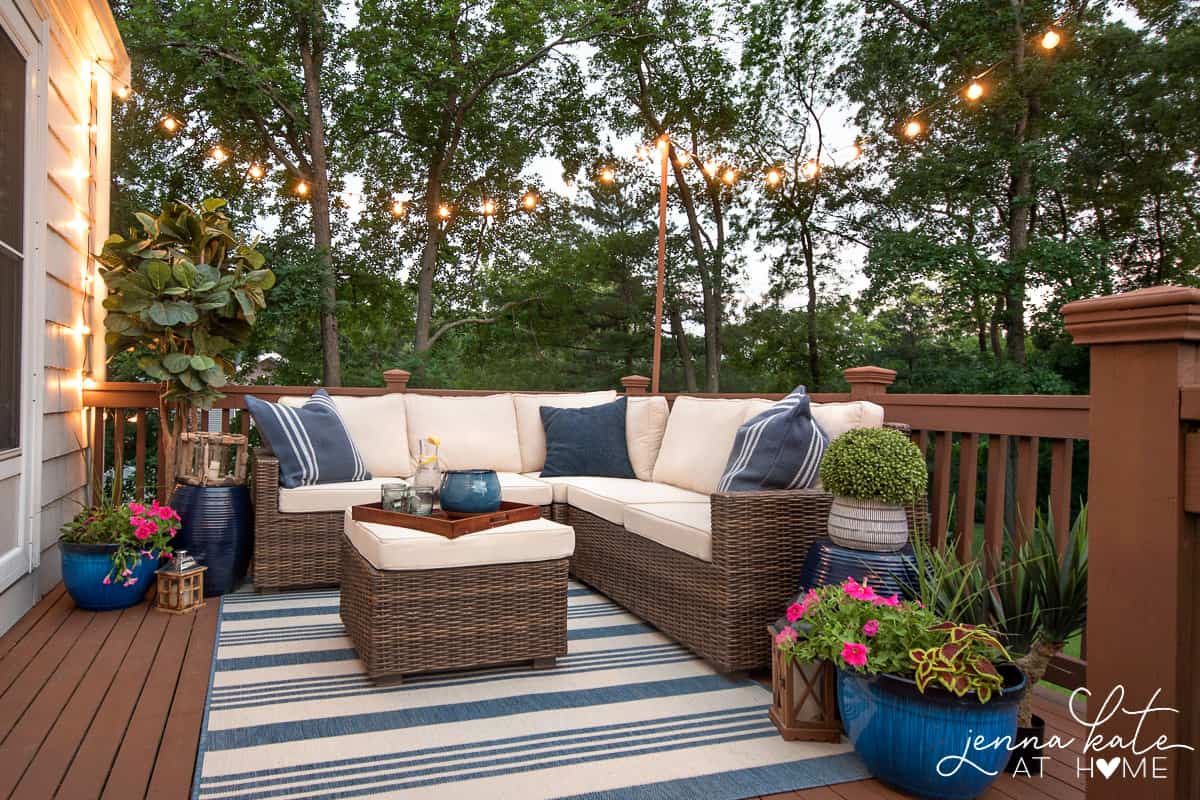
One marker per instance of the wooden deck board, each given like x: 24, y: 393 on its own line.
x: 111, y: 704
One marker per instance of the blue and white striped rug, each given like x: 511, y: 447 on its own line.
x: 626, y: 714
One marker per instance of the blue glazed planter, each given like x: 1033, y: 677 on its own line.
x: 887, y: 573
x: 218, y: 530
x: 470, y: 491
x: 902, y: 735
x: 84, y: 568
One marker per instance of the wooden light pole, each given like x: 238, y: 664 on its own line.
x: 664, y: 154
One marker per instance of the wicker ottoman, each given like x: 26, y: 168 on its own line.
x: 416, y: 602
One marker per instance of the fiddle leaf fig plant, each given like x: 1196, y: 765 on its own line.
x: 183, y: 293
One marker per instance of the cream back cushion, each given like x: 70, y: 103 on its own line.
x: 379, y: 429
x: 529, y: 421
x: 476, y: 432
x: 645, y: 424
x: 837, y: 418
x: 699, y: 436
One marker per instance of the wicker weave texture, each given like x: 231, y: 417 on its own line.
x: 293, y: 551
x: 404, y: 622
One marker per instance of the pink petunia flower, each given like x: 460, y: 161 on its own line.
x: 796, y: 611
x: 136, y: 508
x: 131, y: 581
x: 165, y: 512
x: 871, y: 627
x: 107, y: 580
x: 891, y: 602
x: 855, y: 654
x: 859, y: 591
x: 784, y: 636
x: 127, y: 572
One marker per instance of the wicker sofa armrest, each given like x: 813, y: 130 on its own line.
x: 266, y: 481
x: 753, y: 529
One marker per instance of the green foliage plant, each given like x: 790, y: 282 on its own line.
x: 183, y: 294
x: 879, y: 464
x: 856, y: 629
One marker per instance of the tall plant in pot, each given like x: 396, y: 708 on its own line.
x: 914, y: 690
x: 872, y: 474
x: 183, y: 294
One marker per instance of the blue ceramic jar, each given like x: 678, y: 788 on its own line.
x: 470, y: 491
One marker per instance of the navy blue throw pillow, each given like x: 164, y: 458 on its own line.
x: 311, y: 442
x: 586, y: 441
x: 781, y: 448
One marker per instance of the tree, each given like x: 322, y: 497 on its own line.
x: 253, y: 78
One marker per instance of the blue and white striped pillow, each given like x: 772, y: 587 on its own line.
x: 781, y: 448
x: 311, y: 442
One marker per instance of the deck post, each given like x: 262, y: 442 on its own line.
x: 1143, y: 597
x: 396, y: 380
x: 869, y: 383
x: 635, y: 384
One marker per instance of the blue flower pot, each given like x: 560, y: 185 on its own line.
x: 217, y: 529
x: 84, y: 568
x: 903, y: 735
x: 470, y: 491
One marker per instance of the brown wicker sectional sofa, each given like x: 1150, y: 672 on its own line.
x: 709, y: 569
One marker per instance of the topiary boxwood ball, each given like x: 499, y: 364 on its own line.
x: 874, y: 464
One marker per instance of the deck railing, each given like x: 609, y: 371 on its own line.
x: 967, y: 440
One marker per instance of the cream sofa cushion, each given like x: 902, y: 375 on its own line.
x: 699, y: 436
x: 378, y: 426
x: 837, y: 418
x: 557, y: 486
x: 525, y: 489
x: 319, y: 497
x: 608, y: 498
x: 645, y: 424
x: 477, y: 432
x: 392, y: 548
x: 529, y: 420
x: 686, y: 527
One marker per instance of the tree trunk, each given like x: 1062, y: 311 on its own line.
x: 1020, y: 201
x: 1034, y: 665
x: 433, y: 240
x: 810, y: 273
x: 681, y: 346
x: 311, y: 58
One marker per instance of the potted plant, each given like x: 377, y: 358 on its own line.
x: 1036, y: 601
x: 110, y: 552
x: 914, y: 690
x: 183, y: 294
x: 872, y: 474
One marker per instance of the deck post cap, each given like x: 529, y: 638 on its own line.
x: 1159, y: 313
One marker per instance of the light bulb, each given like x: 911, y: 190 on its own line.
x: 488, y: 208
x: 302, y: 188
x: 256, y: 171
x: 399, y: 208
x: 913, y: 128
x: 89, y: 383
x: 710, y: 168
x: 444, y: 211
x: 856, y: 151
x: 682, y: 160
x: 169, y: 124
x: 1051, y: 39
x: 662, y: 142
x: 122, y: 92
x: 529, y: 201
x: 811, y: 168
x: 218, y: 154
x: 730, y: 176
x: 643, y: 153
x: 975, y: 90
x: 774, y: 178
x: 82, y: 330
x: 608, y: 174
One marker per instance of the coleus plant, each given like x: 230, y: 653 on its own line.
x: 962, y: 663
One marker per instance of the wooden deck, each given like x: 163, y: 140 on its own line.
x: 71, y: 680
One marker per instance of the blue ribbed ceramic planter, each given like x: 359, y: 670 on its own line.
x: 902, y: 735
x: 470, y: 491
x: 887, y: 573
x: 218, y: 530
x: 84, y: 568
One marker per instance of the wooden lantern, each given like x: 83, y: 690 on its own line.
x: 803, y: 698
x: 212, y: 459
x: 181, y: 592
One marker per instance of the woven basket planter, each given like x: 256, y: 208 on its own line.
x: 867, y: 525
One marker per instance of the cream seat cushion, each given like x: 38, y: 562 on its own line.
x: 686, y: 527
x: 514, y: 488
x: 378, y: 427
x: 608, y: 498
x: 477, y: 432
x: 529, y: 420
x: 392, y: 548
x: 645, y: 424
x: 699, y: 436
x: 557, y: 485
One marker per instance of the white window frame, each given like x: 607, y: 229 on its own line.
x: 17, y: 21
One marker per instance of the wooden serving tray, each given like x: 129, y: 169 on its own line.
x: 446, y: 523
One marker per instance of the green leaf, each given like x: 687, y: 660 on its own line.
x: 181, y: 313
x: 119, y: 323
x: 153, y: 367
x: 260, y: 279
x: 213, y: 203
x: 214, y: 376
x: 246, y: 304
x: 191, y: 380
x: 158, y: 314
x: 253, y: 258
x: 175, y: 291
x: 159, y: 273
x: 201, y: 363
x: 184, y: 272
x: 149, y: 223
x: 177, y: 362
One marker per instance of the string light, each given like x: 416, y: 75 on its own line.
x: 169, y: 124
x: 974, y: 91
x: 122, y: 93
x: 529, y: 201
x: 710, y: 168
x: 89, y: 383
x: 682, y: 160
x: 256, y: 171
x: 399, y: 208
x: 643, y: 153
x: 856, y: 151
x: 1051, y: 39
x: 913, y: 128
x: 608, y: 175
x: 218, y: 154
x: 811, y: 168
x: 81, y: 330
x: 444, y: 211
x: 774, y: 178
x: 730, y: 176
x: 488, y: 208
x: 302, y: 188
